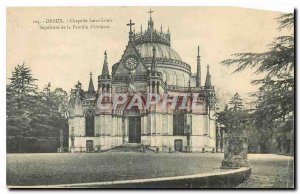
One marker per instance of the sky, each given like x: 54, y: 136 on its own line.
x: 64, y: 56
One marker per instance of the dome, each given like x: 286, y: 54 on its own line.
x: 162, y: 51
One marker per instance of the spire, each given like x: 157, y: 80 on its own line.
x: 198, y: 77
x: 208, y: 79
x: 105, y: 65
x: 91, y: 89
x: 154, y: 65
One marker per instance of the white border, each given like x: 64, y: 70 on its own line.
x: 275, y: 5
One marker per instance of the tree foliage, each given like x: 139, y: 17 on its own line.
x: 234, y: 117
x: 33, y: 118
x: 22, y: 81
x: 274, y: 111
x: 236, y: 103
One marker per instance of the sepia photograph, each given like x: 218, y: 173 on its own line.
x: 150, y: 97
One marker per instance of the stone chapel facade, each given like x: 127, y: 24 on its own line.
x: 148, y: 65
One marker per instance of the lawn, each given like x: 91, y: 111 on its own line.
x: 268, y: 170
x: 47, y: 169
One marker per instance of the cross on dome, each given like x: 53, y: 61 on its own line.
x: 150, y: 12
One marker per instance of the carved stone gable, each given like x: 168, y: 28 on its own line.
x: 131, y: 62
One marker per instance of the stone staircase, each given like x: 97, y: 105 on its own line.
x: 131, y: 147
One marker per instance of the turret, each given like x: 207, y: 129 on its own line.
x: 155, y: 78
x: 104, y: 80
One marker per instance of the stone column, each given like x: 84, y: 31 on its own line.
x: 61, y: 141
x: 235, y: 151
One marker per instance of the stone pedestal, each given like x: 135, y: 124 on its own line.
x: 72, y: 150
x: 235, y: 151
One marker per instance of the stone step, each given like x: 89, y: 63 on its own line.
x: 131, y: 147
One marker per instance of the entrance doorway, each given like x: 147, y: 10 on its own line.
x: 178, y: 145
x: 134, y: 129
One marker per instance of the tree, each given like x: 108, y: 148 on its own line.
x: 236, y: 103
x: 233, y: 118
x: 32, y: 117
x: 22, y: 82
x: 274, y: 111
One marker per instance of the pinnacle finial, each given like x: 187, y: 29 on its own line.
x: 91, y: 74
x: 208, y: 79
x: 105, y: 53
x: 154, y: 65
x: 198, y: 51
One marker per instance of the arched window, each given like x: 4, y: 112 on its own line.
x: 164, y: 76
x: 89, y: 123
x: 183, y: 80
x: 174, y: 78
x: 178, y: 123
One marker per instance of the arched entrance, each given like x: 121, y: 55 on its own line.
x: 132, y: 117
x: 134, y: 129
x: 134, y: 124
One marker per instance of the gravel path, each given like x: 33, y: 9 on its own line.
x: 270, y: 171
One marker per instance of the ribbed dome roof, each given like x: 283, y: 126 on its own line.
x: 162, y: 51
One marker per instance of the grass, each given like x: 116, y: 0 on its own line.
x: 47, y: 169
x: 268, y: 170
